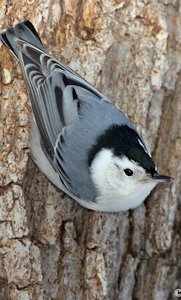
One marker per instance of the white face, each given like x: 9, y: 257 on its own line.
x: 131, y: 175
x: 121, y: 180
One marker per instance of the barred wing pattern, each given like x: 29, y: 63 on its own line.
x: 55, y: 92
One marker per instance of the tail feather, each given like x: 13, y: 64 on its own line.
x: 7, y: 37
x: 25, y: 31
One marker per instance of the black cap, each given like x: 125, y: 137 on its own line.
x: 124, y: 141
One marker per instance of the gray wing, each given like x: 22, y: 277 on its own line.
x: 52, y: 89
x: 69, y: 114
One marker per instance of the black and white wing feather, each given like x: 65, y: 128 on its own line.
x: 55, y: 92
x: 68, y: 112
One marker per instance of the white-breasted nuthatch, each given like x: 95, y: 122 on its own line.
x: 80, y: 140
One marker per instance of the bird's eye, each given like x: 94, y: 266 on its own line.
x: 128, y: 172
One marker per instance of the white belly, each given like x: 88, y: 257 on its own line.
x: 116, y: 201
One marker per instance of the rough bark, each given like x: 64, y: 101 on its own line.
x: 50, y: 247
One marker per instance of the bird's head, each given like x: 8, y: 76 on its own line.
x: 121, y: 167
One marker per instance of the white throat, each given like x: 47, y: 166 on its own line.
x: 118, y: 192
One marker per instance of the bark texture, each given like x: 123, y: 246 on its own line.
x: 50, y: 247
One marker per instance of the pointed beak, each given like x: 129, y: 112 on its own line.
x: 162, y: 177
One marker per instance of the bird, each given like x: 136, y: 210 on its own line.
x: 79, y: 139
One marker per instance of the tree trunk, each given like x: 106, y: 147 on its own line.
x: 50, y: 247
